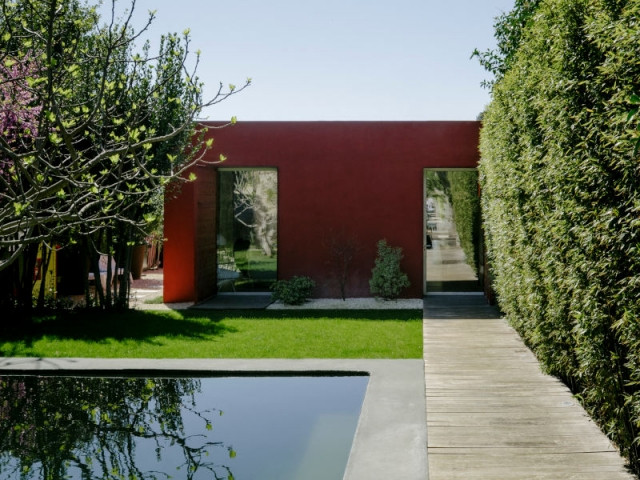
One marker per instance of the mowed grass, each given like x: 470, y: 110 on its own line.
x: 221, y: 334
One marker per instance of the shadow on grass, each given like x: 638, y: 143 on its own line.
x: 94, y: 326
x: 301, y: 314
x: 148, y: 327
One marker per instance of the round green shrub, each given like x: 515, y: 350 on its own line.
x: 295, y: 291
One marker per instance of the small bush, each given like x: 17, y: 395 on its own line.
x: 295, y: 291
x: 387, y: 280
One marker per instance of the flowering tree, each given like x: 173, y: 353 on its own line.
x: 95, y: 131
x: 18, y: 111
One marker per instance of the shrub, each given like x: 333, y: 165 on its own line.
x: 295, y: 291
x: 387, y: 280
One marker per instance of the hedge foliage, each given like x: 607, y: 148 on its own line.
x: 466, y: 212
x: 561, y: 202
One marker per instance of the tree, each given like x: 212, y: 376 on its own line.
x: 97, y: 428
x: 255, y: 205
x: 509, y: 28
x: 102, y: 129
x: 342, y: 248
x: 18, y: 114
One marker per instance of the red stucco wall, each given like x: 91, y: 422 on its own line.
x: 358, y: 180
x: 179, y: 245
x: 189, y: 247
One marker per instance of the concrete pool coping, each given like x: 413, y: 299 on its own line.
x: 391, y: 438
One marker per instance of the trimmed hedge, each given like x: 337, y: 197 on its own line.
x: 466, y: 213
x: 561, y: 203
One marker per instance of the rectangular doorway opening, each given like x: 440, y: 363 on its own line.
x: 453, y: 250
x: 247, y: 230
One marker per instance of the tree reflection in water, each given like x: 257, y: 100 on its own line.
x: 106, y: 428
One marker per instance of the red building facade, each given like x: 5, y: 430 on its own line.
x: 361, y: 181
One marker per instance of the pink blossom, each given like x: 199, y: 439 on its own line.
x: 18, y: 109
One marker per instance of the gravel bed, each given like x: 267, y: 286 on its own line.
x: 352, y: 304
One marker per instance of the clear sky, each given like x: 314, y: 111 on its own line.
x: 337, y: 59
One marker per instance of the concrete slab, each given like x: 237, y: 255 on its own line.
x: 391, y: 438
x: 236, y: 301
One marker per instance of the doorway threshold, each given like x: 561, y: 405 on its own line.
x: 236, y: 301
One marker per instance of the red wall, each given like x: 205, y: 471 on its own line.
x: 359, y: 180
x: 189, y: 248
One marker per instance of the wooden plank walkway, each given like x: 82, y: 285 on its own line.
x: 492, y: 414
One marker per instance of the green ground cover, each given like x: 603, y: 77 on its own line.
x: 221, y: 334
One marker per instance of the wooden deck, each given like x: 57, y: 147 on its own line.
x: 492, y: 414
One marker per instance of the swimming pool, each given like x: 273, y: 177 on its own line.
x: 228, y: 427
x: 391, y: 438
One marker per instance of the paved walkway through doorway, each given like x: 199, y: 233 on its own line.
x: 491, y: 412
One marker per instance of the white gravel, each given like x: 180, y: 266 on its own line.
x: 352, y: 304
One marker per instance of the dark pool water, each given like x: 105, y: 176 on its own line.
x: 235, y: 428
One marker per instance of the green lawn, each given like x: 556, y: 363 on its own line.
x: 222, y: 334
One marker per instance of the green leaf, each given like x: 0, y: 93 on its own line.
x: 635, y: 99
x: 192, y: 177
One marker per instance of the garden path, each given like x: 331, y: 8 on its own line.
x: 492, y: 413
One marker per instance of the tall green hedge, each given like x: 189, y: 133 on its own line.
x: 561, y: 203
x: 466, y: 213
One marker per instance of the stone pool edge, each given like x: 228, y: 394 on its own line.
x: 391, y: 437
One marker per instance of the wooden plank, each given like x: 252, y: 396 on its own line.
x: 476, y: 419
x: 516, y: 465
x: 493, y: 414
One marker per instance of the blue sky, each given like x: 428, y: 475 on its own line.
x: 337, y: 59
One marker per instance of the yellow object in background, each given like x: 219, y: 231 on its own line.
x: 50, y: 277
